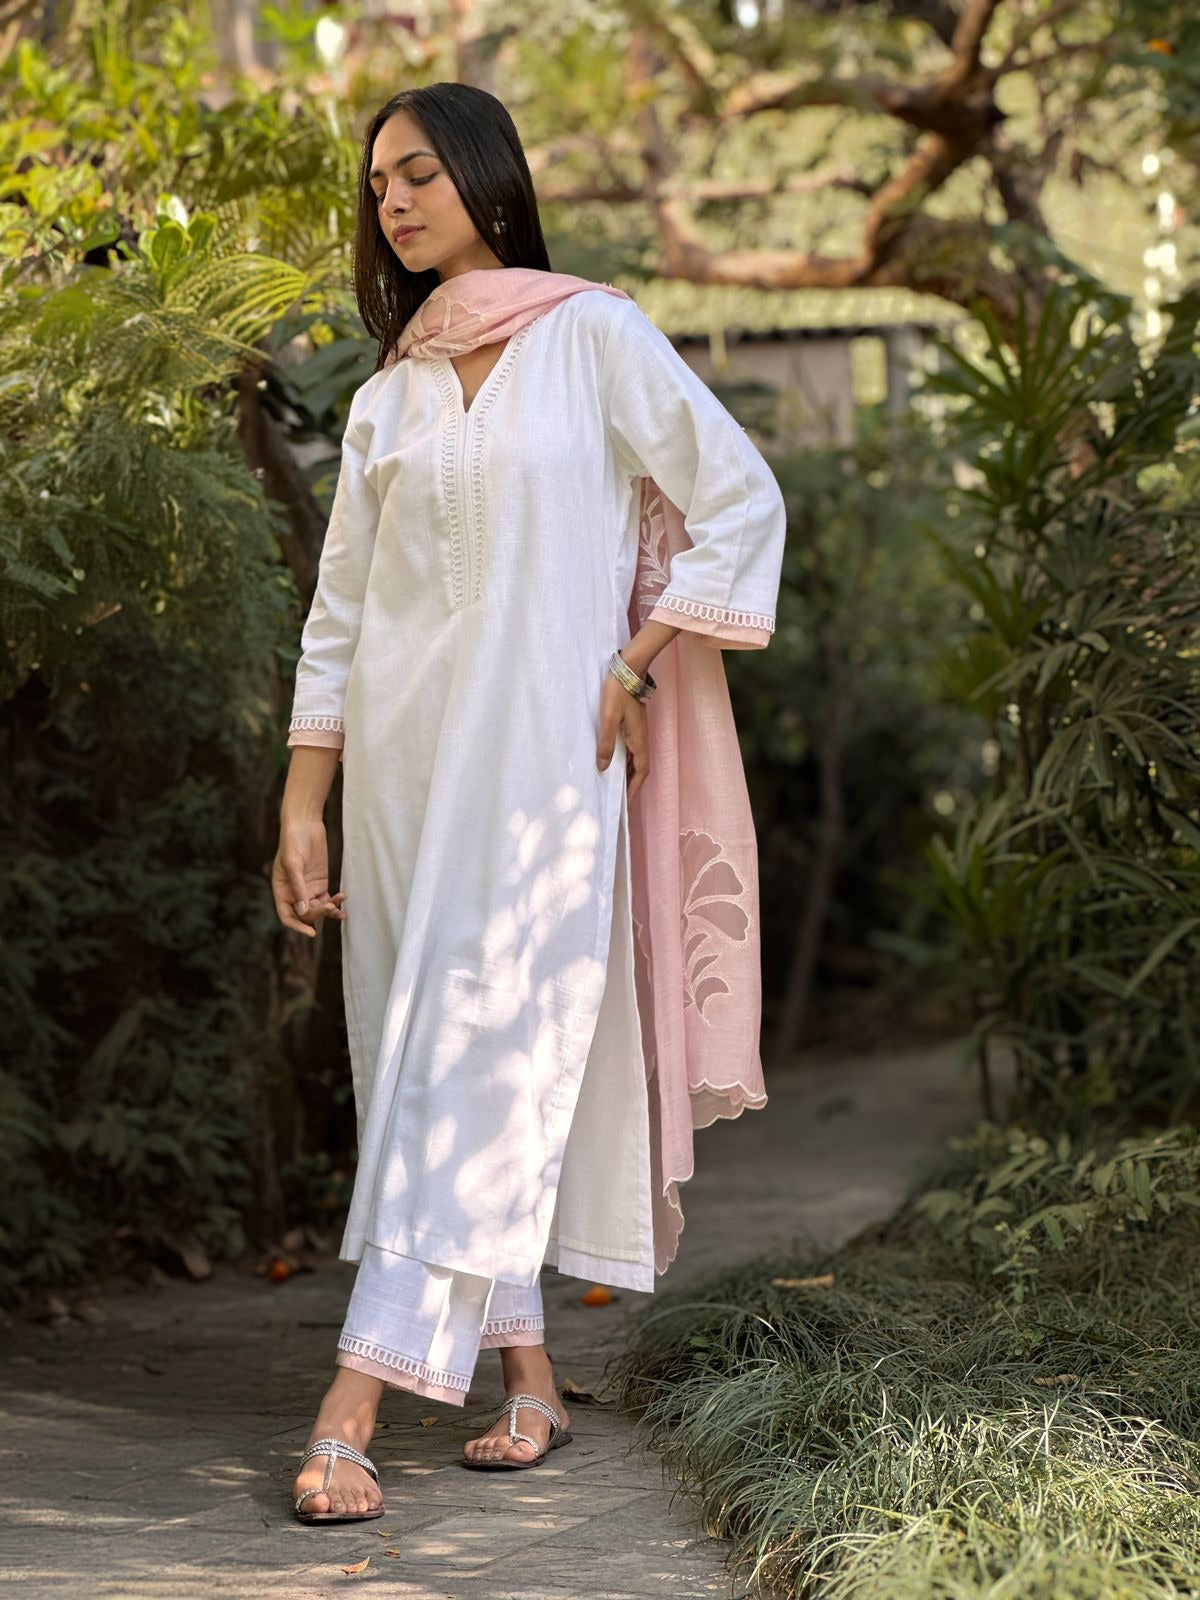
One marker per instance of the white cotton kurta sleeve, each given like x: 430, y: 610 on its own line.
x: 332, y: 628
x: 664, y: 422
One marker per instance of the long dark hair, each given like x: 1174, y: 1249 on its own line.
x: 477, y: 142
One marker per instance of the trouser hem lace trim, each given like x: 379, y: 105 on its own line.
x: 398, y: 1363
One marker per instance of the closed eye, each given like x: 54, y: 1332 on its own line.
x: 381, y: 196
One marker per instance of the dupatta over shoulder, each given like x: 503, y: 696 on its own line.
x: 693, y: 852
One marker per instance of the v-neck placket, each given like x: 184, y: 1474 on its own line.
x: 462, y: 467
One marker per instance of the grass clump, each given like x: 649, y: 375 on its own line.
x: 997, y: 1396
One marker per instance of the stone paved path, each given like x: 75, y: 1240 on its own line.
x: 148, y: 1454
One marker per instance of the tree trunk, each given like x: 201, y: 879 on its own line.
x: 273, y: 464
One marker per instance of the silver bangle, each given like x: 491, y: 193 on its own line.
x: 639, y: 688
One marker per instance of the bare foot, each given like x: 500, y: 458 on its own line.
x: 347, y: 1413
x: 527, y: 1370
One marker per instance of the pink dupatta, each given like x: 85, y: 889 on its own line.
x: 694, y: 860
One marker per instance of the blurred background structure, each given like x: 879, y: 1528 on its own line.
x: 937, y: 255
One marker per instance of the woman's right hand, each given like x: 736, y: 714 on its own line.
x: 300, y: 878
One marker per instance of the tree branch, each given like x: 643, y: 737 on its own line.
x: 930, y: 164
x: 967, y: 44
x: 956, y: 115
x: 926, y: 254
x: 958, y: 108
x: 705, y: 190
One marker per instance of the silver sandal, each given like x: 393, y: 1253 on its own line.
x: 558, y: 1436
x: 337, y: 1451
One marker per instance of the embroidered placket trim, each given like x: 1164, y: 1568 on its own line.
x: 463, y: 443
x: 697, y: 608
x: 450, y: 493
x: 391, y: 1358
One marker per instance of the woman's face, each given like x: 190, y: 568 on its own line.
x: 419, y: 209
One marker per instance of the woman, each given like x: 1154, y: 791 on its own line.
x: 504, y: 561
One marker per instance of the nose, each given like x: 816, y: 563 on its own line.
x: 396, y: 193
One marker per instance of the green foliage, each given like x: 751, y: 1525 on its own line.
x: 845, y: 700
x: 1067, y: 899
x: 120, y: 489
x: 1017, y: 1207
x: 124, y: 997
x: 129, y: 110
x: 143, y: 611
x: 918, y: 1429
x: 142, y: 602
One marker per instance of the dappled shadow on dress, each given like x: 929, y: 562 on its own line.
x: 484, y: 1040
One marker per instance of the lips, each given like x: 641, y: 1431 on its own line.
x: 399, y: 235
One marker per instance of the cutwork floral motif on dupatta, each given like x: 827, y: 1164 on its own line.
x: 695, y: 887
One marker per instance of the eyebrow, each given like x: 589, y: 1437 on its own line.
x: 379, y: 172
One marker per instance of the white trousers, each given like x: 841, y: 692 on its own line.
x: 421, y: 1327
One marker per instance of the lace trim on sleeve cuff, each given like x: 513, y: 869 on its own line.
x: 733, y: 619
x: 325, y: 733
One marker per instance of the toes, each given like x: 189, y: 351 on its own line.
x: 341, y: 1499
x: 497, y: 1447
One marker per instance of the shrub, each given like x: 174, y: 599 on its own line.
x: 1066, y: 901
x: 142, y: 602
x: 908, y: 1417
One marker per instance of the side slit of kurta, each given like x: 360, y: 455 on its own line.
x: 607, y: 1154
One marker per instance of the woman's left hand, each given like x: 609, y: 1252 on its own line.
x: 620, y: 712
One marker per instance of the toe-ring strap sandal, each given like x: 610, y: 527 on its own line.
x: 337, y: 1450
x: 558, y: 1435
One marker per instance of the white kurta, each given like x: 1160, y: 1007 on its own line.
x: 475, y: 580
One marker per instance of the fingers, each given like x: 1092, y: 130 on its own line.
x: 293, y: 869
x: 302, y: 907
x: 621, y: 713
x: 607, y: 741
x: 290, y: 920
x: 316, y: 911
x: 638, y: 744
x: 284, y: 894
x: 326, y: 906
x: 322, y: 907
x: 618, y: 712
x: 633, y: 728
